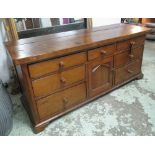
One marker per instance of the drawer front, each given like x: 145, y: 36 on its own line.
x: 131, y: 43
x: 127, y: 72
x: 128, y: 56
x: 46, y: 67
x: 61, y: 101
x: 51, y: 83
x: 101, y: 52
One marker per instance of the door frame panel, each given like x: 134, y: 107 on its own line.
x: 101, y: 61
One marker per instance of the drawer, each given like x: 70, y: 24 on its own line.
x: 61, y: 101
x: 126, y: 57
x: 101, y: 52
x: 127, y: 44
x: 51, y: 83
x: 46, y: 67
x: 127, y: 72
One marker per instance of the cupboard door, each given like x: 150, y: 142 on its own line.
x: 100, y: 75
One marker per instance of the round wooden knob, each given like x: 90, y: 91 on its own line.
x: 61, y: 64
x: 103, y: 52
x: 131, y: 56
x: 65, y: 100
x: 132, y: 43
x: 63, y: 80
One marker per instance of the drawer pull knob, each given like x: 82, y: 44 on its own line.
x: 132, y: 43
x: 129, y: 71
x: 61, y: 64
x: 65, y: 100
x: 131, y: 56
x: 103, y: 52
x: 63, y: 80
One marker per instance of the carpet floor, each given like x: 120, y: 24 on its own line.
x: 127, y: 111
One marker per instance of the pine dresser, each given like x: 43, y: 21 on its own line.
x: 61, y: 72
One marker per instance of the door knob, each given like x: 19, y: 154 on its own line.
x: 63, y: 80
x: 131, y: 56
x: 132, y: 43
x: 65, y: 100
x: 103, y: 52
x: 96, y: 68
x: 61, y: 64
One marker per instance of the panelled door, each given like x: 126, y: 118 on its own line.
x: 100, y: 75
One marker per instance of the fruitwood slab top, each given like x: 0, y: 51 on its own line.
x: 34, y: 49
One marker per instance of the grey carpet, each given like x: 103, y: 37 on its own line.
x: 129, y: 110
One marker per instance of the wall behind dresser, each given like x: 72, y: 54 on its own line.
x: 105, y: 21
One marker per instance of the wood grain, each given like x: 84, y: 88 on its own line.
x: 61, y: 72
x: 100, y: 75
x: 127, y: 72
x: 46, y: 67
x: 59, y: 102
x: 125, y: 57
x: 52, y: 83
x: 66, y: 43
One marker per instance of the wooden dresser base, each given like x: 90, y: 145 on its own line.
x: 61, y: 72
x: 41, y: 126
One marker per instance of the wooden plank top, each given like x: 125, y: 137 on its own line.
x: 34, y: 49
